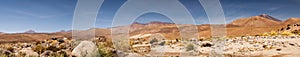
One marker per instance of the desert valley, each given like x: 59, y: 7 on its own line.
x: 256, y: 36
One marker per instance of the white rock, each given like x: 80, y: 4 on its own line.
x: 29, y: 53
x: 134, y: 55
x: 86, y: 49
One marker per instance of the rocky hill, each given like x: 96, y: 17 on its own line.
x: 291, y: 21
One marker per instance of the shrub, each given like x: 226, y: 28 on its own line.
x: 265, y: 34
x: 61, y: 54
x: 104, y: 51
x: 153, y: 40
x: 285, y: 33
x: 273, y: 33
x: 39, y: 49
x: 162, y: 43
x: 296, y: 31
x: 190, y: 47
x: 53, y: 48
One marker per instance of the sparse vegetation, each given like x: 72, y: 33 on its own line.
x: 153, y: 40
x: 39, y: 49
x: 296, y: 32
x: 273, y: 33
x: 286, y: 33
x: 104, y: 50
x: 190, y: 47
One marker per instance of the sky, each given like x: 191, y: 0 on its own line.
x: 56, y: 15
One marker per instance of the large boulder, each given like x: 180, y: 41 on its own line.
x: 28, y: 52
x: 86, y: 49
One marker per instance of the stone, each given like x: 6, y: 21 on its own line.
x: 86, y: 49
x: 121, y: 53
x: 53, y: 38
x: 46, y: 53
x: 134, y: 55
x: 292, y: 44
x: 29, y: 53
x: 61, y: 40
x: 278, y: 49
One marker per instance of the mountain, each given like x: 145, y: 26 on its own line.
x: 269, y: 17
x: 153, y: 23
x: 291, y: 21
x: 254, y: 25
x: 26, y: 37
x: 2, y: 33
x: 30, y: 31
x: 159, y: 23
x: 257, y: 21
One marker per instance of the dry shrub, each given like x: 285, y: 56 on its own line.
x: 39, y: 49
x: 53, y: 48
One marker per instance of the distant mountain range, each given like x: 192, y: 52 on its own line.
x: 244, y: 26
x: 263, y: 20
x: 30, y: 31
x: 1, y: 33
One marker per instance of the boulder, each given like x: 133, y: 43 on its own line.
x: 86, y: 49
x: 28, y: 52
x: 46, y: 53
x: 121, y: 53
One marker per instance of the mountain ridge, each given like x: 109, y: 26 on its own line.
x: 257, y: 21
x: 254, y: 25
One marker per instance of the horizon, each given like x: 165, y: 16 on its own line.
x: 56, y: 15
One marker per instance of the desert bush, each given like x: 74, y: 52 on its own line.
x: 273, y: 33
x: 39, y: 49
x: 190, y: 47
x: 296, y: 32
x: 162, y: 43
x: 153, y: 40
x: 286, y: 33
x: 60, y: 54
x: 104, y: 50
x: 265, y: 34
x: 53, y: 48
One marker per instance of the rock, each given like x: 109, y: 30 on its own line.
x: 6, y: 52
x: 134, y: 55
x: 278, y: 49
x: 61, y: 40
x: 206, y: 44
x: 46, y: 53
x: 53, y: 38
x: 29, y: 53
x: 86, y: 49
x: 121, y: 54
x: 292, y: 44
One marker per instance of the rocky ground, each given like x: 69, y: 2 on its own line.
x: 249, y: 46
x: 58, y: 47
x: 266, y: 45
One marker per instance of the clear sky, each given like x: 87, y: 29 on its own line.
x: 56, y: 15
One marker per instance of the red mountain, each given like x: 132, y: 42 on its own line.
x: 257, y: 21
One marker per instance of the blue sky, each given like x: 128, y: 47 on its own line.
x: 56, y: 15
